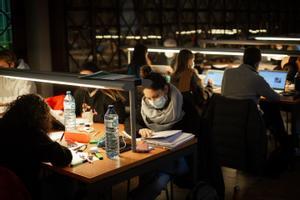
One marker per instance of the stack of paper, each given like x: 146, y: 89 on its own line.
x: 169, y: 139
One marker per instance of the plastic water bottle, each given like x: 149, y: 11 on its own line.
x: 111, y: 121
x: 297, y: 82
x: 69, y: 112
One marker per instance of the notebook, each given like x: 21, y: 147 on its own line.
x: 276, y: 79
x: 171, y: 141
x: 216, y: 76
x: 164, y: 134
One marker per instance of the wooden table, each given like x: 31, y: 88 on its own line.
x: 107, y: 172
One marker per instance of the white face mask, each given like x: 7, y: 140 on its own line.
x: 159, y: 102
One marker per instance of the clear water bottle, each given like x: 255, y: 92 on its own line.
x: 69, y: 112
x: 111, y: 122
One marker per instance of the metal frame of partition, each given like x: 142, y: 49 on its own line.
x: 73, y: 80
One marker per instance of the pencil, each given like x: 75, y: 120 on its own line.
x: 62, y: 136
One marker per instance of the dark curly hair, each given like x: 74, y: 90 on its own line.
x: 28, y: 112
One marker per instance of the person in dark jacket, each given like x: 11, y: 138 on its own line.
x: 24, y: 143
x: 292, y: 67
x: 98, y: 100
x: 186, y: 79
x: 139, y: 59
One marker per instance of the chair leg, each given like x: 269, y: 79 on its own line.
x: 236, y: 188
x: 167, y: 193
x: 172, y: 189
x: 171, y: 195
x: 128, y: 189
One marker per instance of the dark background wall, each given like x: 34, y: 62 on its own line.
x: 65, y: 31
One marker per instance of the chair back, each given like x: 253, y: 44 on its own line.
x: 238, y: 133
x: 11, y: 187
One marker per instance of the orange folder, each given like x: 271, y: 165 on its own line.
x: 77, y: 137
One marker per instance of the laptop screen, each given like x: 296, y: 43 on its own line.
x: 216, y: 76
x: 276, y: 79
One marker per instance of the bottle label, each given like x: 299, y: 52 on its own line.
x: 69, y: 106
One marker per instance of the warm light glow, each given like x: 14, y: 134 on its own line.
x: 257, y: 31
x: 129, y: 37
x: 278, y: 38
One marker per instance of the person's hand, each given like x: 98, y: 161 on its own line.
x: 145, y: 132
x: 210, y: 82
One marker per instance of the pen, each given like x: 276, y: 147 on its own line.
x: 62, y: 136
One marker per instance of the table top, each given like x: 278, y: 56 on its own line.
x: 101, y: 169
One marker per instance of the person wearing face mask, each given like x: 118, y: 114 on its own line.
x: 96, y: 100
x: 162, y: 108
x: 186, y: 79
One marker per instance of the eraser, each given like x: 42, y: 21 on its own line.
x: 94, y: 149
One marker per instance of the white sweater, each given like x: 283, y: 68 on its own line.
x: 10, y: 89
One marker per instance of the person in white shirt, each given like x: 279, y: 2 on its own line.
x: 10, y: 89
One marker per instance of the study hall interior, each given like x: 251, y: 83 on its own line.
x: 157, y: 99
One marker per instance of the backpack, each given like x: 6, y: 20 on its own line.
x: 203, y: 191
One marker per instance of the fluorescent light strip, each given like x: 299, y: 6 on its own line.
x: 278, y: 38
x: 208, y: 52
x: 54, y: 82
x: 221, y: 53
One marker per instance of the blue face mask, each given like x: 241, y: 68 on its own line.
x: 159, y: 102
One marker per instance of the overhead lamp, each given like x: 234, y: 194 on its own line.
x: 216, y: 51
x: 74, y: 80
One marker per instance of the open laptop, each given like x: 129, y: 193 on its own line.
x: 276, y: 79
x: 216, y: 76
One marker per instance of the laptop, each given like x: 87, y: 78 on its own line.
x: 276, y: 79
x: 216, y: 76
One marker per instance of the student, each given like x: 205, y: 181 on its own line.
x: 98, y: 100
x: 245, y: 83
x: 24, y: 143
x: 139, y: 59
x: 161, y: 109
x: 186, y: 79
x: 10, y: 89
x: 292, y: 66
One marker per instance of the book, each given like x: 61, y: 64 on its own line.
x: 104, y: 75
x: 165, y: 134
x: 171, y: 141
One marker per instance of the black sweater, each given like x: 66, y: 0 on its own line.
x: 99, y: 102
x: 23, y: 152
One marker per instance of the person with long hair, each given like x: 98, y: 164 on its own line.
x: 25, y: 143
x: 292, y: 66
x: 139, y: 59
x: 186, y: 79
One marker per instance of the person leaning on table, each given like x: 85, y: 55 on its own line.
x: 24, y: 143
x: 161, y: 110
